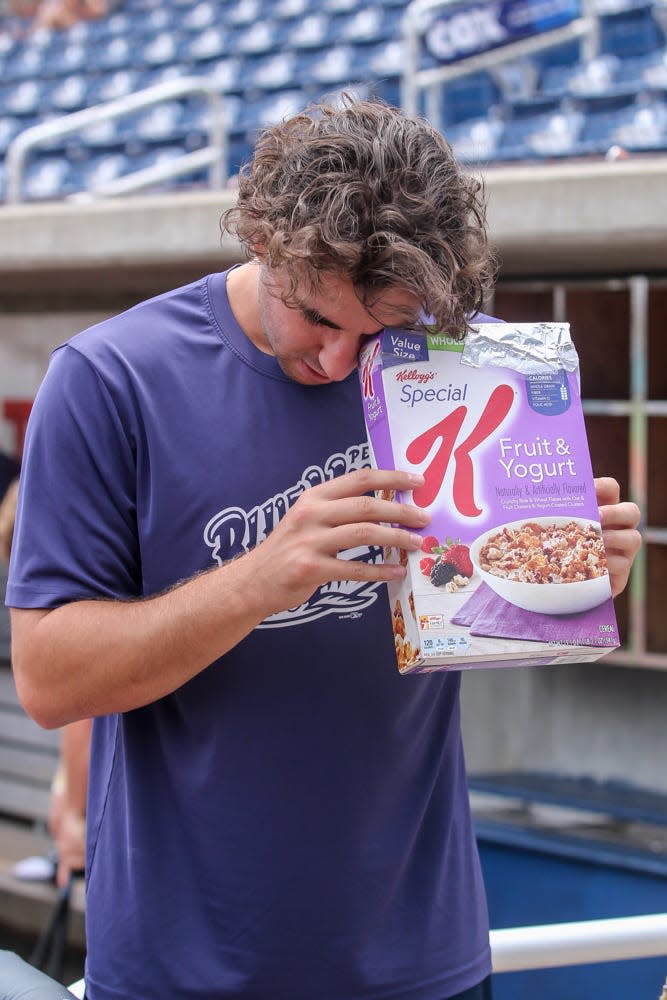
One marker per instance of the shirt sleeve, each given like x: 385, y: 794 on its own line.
x: 75, y: 534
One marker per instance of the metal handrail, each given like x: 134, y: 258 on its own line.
x: 580, y: 943
x: 416, y: 21
x: 214, y: 155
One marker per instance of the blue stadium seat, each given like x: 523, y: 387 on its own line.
x: 469, y: 98
x: 380, y: 66
x: 476, y: 141
x: 25, y: 98
x: 648, y: 71
x: 598, y: 76
x: 211, y: 43
x: 604, y: 116
x: 646, y: 131
x: 631, y: 33
x: 655, y: 74
x: 522, y: 119
x: 113, y: 85
x: 226, y: 74
x: 342, y: 6
x: 328, y: 67
x: 72, y: 93
x: 99, y: 169
x: 246, y: 12
x: 285, y: 9
x: 48, y: 177
x: 161, y: 50
x: 558, y: 135
x: 276, y: 71
x: 370, y: 24
x: 200, y: 16
x: 269, y: 110
x: 118, y: 54
x: 313, y: 31
x: 26, y: 62
x: 261, y: 36
x: 10, y: 126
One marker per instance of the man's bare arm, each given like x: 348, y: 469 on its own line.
x: 95, y: 657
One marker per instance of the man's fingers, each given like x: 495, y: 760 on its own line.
x: 620, y: 515
x: 352, y: 536
x: 607, y: 490
x: 358, y: 510
x: 624, y: 542
x: 369, y: 480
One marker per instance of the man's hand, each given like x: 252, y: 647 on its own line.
x: 302, y: 552
x: 619, y: 529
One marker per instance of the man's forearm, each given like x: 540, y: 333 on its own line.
x: 92, y: 658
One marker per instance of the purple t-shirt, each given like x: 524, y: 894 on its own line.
x: 292, y: 823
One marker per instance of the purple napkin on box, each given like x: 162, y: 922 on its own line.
x: 489, y: 615
x: 472, y: 607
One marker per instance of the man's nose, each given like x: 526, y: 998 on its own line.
x: 338, y: 356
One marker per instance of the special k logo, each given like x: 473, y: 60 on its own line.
x: 444, y: 436
x: 367, y: 372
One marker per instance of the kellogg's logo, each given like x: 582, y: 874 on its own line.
x: 414, y: 375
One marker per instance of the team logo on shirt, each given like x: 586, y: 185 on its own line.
x: 234, y: 530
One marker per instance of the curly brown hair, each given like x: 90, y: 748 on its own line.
x: 362, y: 190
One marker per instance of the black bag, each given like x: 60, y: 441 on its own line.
x: 49, y: 951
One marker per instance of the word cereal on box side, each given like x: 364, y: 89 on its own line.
x: 512, y: 570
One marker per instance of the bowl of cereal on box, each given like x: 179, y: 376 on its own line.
x: 552, y: 565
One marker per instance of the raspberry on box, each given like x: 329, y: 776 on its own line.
x: 429, y: 543
x: 426, y: 565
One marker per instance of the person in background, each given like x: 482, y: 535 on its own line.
x: 63, y: 14
x: 274, y: 812
x: 67, y: 807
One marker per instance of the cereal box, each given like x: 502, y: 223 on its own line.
x: 512, y: 570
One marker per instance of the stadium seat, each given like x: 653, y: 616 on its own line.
x: 211, y: 43
x: 285, y: 9
x: 604, y: 116
x: 310, y: 32
x: 26, y: 98
x: 477, y: 141
x: 114, y: 85
x: 9, y: 127
x: 647, y: 129
x: 269, y: 57
x: 558, y: 136
x: 48, y: 177
x: 71, y: 94
x: 327, y: 67
x: 273, y: 72
x: 631, y: 33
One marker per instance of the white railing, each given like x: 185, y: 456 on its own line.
x: 582, y: 943
x: 418, y: 18
x: 214, y: 156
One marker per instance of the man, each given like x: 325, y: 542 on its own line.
x: 274, y: 813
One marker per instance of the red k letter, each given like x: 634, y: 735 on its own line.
x: 447, y: 430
